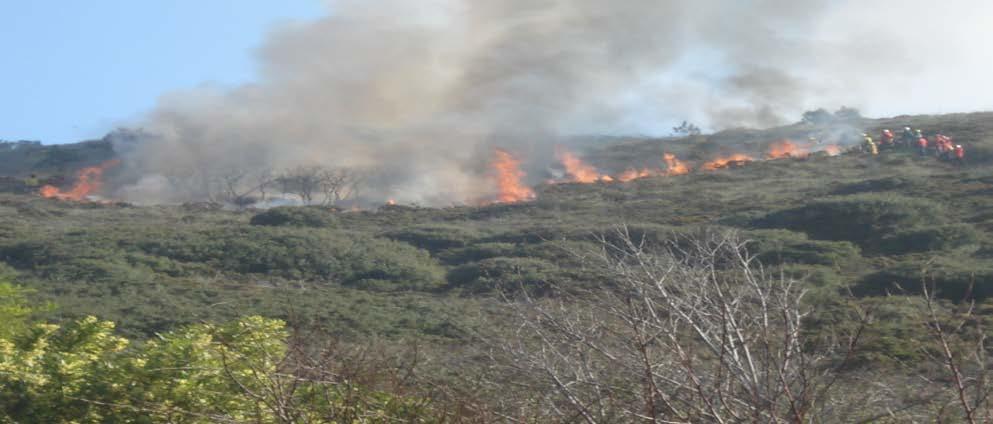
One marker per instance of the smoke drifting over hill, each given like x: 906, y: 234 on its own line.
x: 418, y: 94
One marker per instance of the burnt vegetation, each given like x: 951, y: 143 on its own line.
x: 829, y: 289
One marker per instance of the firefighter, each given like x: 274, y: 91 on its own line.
x: 922, y: 143
x: 959, y: 154
x: 32, y: 182
x: 943, y: 146
x: 870, y: 146
x: 949, y: 147
x: 887, y: 138
x: 907, y: 138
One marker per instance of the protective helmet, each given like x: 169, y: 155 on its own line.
x: 958, y: 146
x: 865, y: 135
x: 906, y: 128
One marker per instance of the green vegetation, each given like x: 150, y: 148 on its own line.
x: 235, y: 372
x: 295, y: 217
x: 860, y: 231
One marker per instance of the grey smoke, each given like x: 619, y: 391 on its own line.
x: 418, y: 93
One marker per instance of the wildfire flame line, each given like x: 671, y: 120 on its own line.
x: 674, y: 166
x: 88, y: 182
x: 509, y: 178
x: 577, y: 170
x: 787, y: 149
x: 736, y: 159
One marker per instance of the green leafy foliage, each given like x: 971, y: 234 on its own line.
x: 235, y: 372
x: 310, y: 216
x: 436, y: 237
x: 497, y: 274
x: 944, y: 237
x: 950, y: 277
x: 134, y: 255
x: 780, y: 246
x: 862, y: 219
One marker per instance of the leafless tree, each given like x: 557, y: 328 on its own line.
x: 693, y: 331
x: 264, y: 180
x: 313, y: 183
x: 339, y: 184
x: 303, y: 181
x: 960, y: 352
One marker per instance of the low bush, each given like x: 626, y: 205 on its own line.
x: 924, y: 239
x: 496, y: 274
x: 948, y: 278
x: 774, y: 247
x: 862, y: 219
x: 122, y: 254
x: 295, y: 217
x: 877, y: 185
x: 436, y: 238
x: 478, y: 252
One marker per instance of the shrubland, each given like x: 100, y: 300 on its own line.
x: 887, y: 262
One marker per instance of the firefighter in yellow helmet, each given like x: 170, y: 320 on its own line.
x: 870, y: 146
x: 32, y: 182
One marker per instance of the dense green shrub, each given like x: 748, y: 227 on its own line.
x: 496, y: 274
x: 774, y: 247
x: 301, y: 254
x: 478, y: 252
x: 436, y: 237
x: 951, y: 278
x: 83, y: 372
x: 295, y: 216
x: 877, y: 185
x: 814, y: 275
x: 286, y: 252
x: 861, y: 219
x: 930, y: 238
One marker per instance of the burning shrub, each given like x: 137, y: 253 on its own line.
x: 295, y: 217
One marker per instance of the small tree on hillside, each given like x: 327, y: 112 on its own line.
x: 304, y: 181
x: 819, y: 116
x: 313, y: 183
x: 686, y: 129
x: 846, y: 113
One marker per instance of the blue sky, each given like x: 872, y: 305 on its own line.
x: 73, y: 69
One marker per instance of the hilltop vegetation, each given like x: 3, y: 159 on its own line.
x: 855, y: 229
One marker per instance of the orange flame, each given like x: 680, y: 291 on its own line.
x: 509, y: 178
x: 833, y: 150
x: 391, y: 202
x: 786, y: 149
x: 674, y: 166
x: 577, y: 170
x: 88, y: 182
x: 736, y: 159
x: 633, y: 174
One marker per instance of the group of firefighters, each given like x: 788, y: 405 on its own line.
x: 941, y: 145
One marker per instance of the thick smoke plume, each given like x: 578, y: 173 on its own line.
x: 418, y: 94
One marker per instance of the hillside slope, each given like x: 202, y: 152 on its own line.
x: 846, y: 222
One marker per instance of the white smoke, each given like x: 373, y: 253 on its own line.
x: 417, y: 93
